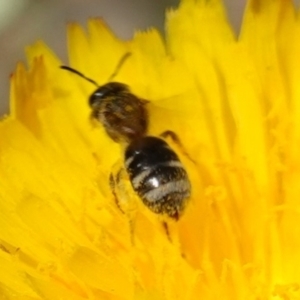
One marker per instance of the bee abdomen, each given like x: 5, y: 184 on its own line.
x: 158, y: 176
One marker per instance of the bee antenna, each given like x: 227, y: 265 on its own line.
x: 119, y: 65
x: 80, y: 74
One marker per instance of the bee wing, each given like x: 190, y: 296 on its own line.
x: 176, y: 113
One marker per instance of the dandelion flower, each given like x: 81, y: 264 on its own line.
x: 234, y: 103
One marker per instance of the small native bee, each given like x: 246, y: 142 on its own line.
x: 154, y: 169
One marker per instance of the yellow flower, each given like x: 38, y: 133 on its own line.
x: 234, y: 103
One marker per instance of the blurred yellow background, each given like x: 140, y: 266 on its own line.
x: 24, y: 21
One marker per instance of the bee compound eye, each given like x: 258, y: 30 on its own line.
x: 105, y: 91
x: 96, y: 98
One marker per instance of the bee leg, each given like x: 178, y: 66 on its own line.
x: 171, y: 231
x: 115, y: 184
x: 171, y: 134
x: 167, y: 231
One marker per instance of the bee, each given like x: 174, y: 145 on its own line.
x: 155, y: 171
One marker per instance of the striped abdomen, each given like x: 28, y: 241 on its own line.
x: 157, y: 176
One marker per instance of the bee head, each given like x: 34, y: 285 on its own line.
x: 108, y: 90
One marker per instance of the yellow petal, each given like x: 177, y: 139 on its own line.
x: 233, y: 103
